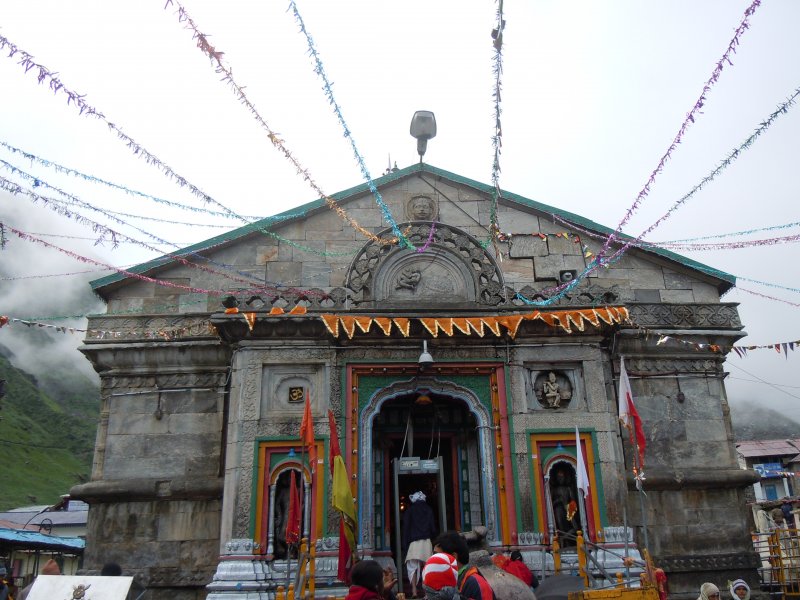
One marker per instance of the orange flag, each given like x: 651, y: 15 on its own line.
x: 307, y: 434
x: 295, y: 513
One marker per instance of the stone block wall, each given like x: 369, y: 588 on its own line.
x: 156, y: 490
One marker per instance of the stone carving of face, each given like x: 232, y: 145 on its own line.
x: 422, y: 208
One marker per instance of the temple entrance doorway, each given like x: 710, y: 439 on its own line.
x: 433, y: 440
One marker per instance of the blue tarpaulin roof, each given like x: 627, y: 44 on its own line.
x: 34, y: 539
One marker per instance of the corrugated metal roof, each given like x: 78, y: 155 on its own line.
x: 35, y: 539
x: 726, y: 281
x: 57, y: 517
x: 768, y: 448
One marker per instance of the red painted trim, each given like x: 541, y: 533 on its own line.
x: 502, y: 400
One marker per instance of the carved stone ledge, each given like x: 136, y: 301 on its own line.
x: 685, y: 316
x: 111, y: 490
x: 148, y: 327
x: 710, y: 562
x: 710, y: 364
x: 708, y: 479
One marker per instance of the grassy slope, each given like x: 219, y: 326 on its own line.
x: 46, y: 446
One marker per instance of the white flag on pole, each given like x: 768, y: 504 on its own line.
x: 580, y: 470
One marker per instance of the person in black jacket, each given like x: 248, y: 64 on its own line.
x: 419, y: 527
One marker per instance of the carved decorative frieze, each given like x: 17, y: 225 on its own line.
x: 709, y: 562
x: 149, y: 328
x: 166, y: 381
x: 712, y: 364
x: 686, y: 316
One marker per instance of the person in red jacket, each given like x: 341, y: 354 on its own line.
x: 370, y: 582
x: 518, y: 568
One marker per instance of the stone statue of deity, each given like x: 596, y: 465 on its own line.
x: 553, y: 393
x: 564, y: 496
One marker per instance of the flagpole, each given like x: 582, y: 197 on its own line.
x: 640, y: 487
x: 628, y: 413
x: 582, y: 480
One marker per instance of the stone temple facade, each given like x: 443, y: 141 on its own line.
x: 206, y: 370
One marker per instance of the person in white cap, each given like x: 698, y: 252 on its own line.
x: 419, y: 527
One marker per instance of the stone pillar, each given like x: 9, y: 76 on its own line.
x: 695, y: 505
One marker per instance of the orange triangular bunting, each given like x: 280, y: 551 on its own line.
x: 445, y: 325
x: 590, y: 316
x: 403, y: 324
x: 384, y: 323
x: 605, y: 315
x: 363, y: 323
x: 492, y: 324
x: 430, y: 325
x: 511, y: 323
x: 477, y: 325
x: 576, y: 317
x: 299, y: 309
x: 250, y: 317
x: 276, y: 310
x: 349, y: 325
x: 461, y: 324
x: 332, y: 323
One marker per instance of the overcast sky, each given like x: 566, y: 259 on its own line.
x: 593, y: 95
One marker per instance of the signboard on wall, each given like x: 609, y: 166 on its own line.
x: 769, y: 469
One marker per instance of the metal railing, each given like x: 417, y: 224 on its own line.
x: 779, y: 551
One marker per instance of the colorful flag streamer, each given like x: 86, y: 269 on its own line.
x: 227, y: 77
x: 319, y: 69
x: 689, y: 120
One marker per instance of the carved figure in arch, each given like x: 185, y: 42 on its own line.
x: 281, y: 516
x: 421, y: 208
x: 551, y: 392
x: 564, y: 497
x: 408, y: 278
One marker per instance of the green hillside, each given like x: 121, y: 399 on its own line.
x: 46, y: 442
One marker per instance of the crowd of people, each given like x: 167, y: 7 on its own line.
x: 445, y: 575
x: 438, y: 569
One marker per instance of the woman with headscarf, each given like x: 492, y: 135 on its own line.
x: 708, y: 591
x: 419, y: 528
x: 739, y: 590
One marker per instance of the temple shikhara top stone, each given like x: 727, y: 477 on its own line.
x: 205, y: 381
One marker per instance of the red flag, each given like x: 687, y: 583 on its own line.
x: 293, y: 520
x: 629, y: 415
x: 307, y: 433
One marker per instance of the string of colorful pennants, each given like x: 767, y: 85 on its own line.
x: 350, y: 325
x: 161, y: 333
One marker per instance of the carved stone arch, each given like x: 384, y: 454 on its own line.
x: 454, y: 270
x: 484, y: 440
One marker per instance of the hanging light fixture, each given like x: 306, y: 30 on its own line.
x: 425, y: 359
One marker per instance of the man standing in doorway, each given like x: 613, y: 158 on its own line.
x: 419, y: 528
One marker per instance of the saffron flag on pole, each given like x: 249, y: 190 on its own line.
x: 293, y: 520
x: 629, y: 416
x: 342, y: 501
x: 580, y: 470
x: 307, y: 433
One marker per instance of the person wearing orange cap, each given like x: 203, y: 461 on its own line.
x: 50, y: 568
